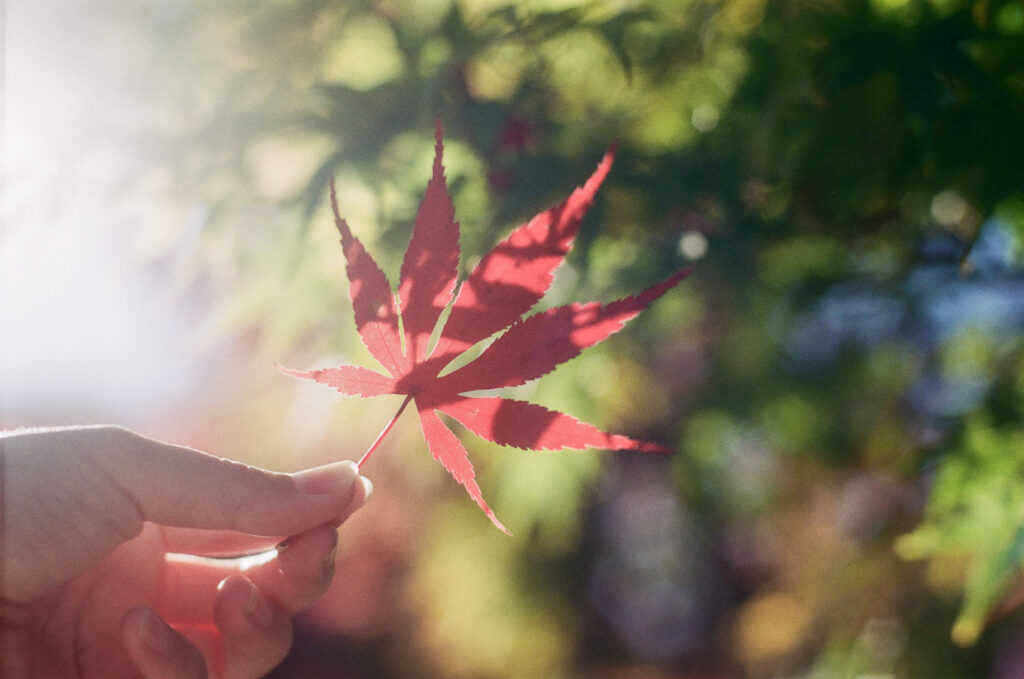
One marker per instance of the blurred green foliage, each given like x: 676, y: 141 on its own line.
x: 844, y: 368
x: 976, y: 513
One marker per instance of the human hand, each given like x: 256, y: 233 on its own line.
x: 108, y: 556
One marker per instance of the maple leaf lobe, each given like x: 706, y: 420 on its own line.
x: 372, y: 299
x: 430, y: 266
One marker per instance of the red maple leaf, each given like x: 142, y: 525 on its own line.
x: 504, y: 285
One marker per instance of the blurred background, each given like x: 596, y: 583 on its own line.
x: 842, y: 376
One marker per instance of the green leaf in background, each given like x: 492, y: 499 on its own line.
x: 975, y: 518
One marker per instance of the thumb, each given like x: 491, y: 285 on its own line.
x: 177, y: 486
x: 72, y: 495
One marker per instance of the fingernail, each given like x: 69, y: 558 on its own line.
x: 357, y: 499
x: 328, y: 479
x: 257, y: 609
x: 367, y: 487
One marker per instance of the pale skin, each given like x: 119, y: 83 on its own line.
x: 112, y: 556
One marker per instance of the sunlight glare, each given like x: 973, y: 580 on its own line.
x: 87, y: 331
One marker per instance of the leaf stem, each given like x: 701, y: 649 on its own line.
x: 383, y: 433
